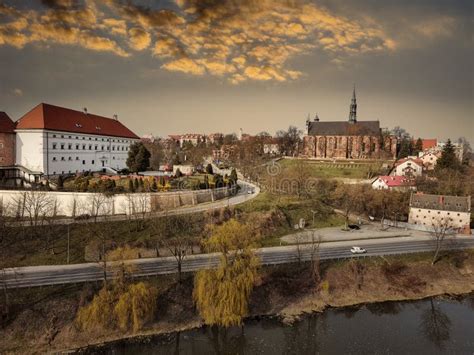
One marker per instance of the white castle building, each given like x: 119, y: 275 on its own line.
x: 55, y: 140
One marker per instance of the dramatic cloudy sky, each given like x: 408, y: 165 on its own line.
x: 181, y: 66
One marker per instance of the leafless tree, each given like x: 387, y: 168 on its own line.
x: 435, y: 325
x: 441, y: 228
x: 99, y: 245
x: 315, y: 256
x: 138, y: 206
x: 178, y: 239
x: 299, y: 239
x: 100, y: 205
x: 36, y: 206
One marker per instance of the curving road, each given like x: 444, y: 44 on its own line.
x: 32, y: 276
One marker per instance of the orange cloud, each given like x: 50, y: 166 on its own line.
x: 240, y: 41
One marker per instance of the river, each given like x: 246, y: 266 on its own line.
x: 431, y: 326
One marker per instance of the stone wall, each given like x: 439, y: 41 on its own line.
x: 16, y: 203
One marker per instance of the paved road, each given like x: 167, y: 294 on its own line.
x: 62, y: 274
x: 241, y: 197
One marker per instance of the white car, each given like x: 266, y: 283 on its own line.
x: 358, y: 250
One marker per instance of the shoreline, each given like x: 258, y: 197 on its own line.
x: 286, y: 293
x: 133, y: 339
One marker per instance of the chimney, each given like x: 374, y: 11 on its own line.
x: 115, y: 117
x: 85, y: 110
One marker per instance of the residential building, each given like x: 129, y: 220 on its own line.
x: 410, y: 167
x: 429, y: 158
x: 437, y: 210
x: 56, y: 140
x: 398, y: 183
x: 7, y: 140
x: 350, y: 139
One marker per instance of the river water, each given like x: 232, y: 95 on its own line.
x: 431, y: 326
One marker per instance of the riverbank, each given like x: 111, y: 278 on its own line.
x: 43, y: 319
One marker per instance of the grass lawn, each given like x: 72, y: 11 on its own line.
x: 334, y: 170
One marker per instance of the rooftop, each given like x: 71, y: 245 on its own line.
x: 55, y: 118
x: 6, y: 124
x: 344, y: 128
x: 441, y: 202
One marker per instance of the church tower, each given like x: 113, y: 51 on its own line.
x: 353, y: 108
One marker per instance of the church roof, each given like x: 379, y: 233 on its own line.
x: 55, y: 118
x: 344, y: 128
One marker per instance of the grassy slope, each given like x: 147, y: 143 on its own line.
x: 328, y: 170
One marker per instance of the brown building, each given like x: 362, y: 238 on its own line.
x: 7, y: 140
x: 350, y: 139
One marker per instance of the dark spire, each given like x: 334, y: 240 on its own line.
x: 353, y: 108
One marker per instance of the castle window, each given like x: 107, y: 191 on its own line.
x: 54, y: 145
x: 62, y: 146
x: 62, y: 159
x: 69, y: 146
x: 77, y: 146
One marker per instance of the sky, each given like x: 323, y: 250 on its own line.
x: 203, y: 66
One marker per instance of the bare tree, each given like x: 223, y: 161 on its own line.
x: 178, y: 238
x: 37, y: 206
x: 138, y: 206
x: 315, y: 257
x: 99, y: 245
x: 299, y: 239
x: 100, y: 204
x: 441, y: 227
x: 435, y: 325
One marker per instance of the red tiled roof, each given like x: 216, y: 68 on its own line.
x: 6, y: 124
x: 395, y: 181
x: 55, y: 118
x: 416, y: 160
x: 428, y: 143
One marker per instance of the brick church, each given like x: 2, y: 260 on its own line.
x: 350, y: 139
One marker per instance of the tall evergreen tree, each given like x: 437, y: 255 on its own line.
x: 138, y: 158
x: 418, y: 146
x: 448, y: 159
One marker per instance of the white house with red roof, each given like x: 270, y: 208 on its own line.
x: 409, y: 167
x: 56, y: 140
x: 400, y: 183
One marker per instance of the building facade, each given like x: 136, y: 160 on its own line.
x: 435, y: 210
x: 56, y: 140
x: 410, y: 167
x: 350, y: 139
x: 7, y: 140
x: 397, y: 183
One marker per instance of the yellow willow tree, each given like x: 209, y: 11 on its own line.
x: 222, y: 294
x: 120, y: 304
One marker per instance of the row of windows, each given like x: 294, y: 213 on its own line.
x: 442, y: 219
x: 449, y: 213
x: 90, y: 138
x: 62, y: 146
x: 77, y: 159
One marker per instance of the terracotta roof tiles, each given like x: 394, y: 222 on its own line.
x: 55, y: 118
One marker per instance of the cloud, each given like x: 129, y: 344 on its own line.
x: 139, y: 38
x: 235, y: 40
x: 17, y: 92
x: 185, y: 65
